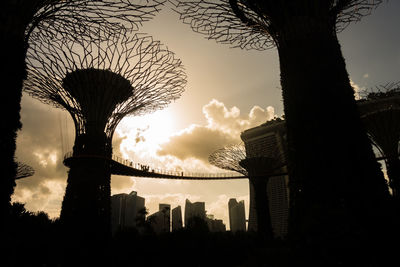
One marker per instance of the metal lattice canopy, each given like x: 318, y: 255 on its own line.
x: 380, y: 112
x: 254, y: 24
x: 79, y: 17
x: 24, y: 170
x: 101, y: 82
x: 229, y: 157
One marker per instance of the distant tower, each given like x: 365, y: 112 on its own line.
x: 196, y: 210
x: 237, y: 216
x: 125, y: 211
x: 380, y: 112
x: 177, y: 218
x: 166, y: 211
x: 99, y: 83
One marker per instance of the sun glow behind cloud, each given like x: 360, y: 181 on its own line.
x: 143, y: 134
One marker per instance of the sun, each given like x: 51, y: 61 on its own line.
x: 144, y: 134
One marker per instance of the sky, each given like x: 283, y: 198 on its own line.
x: 228, y: 90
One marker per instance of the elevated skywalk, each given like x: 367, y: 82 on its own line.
x: 125, y: 167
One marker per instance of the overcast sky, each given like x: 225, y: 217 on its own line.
x: 228, y: 91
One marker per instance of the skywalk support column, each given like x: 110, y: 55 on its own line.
x: 86, y: 205
x: 265, y: 164
x: 259, y: 177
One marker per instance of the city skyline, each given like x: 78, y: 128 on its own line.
x: 228, y: 91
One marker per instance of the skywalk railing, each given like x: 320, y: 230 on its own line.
x: 156, y: 170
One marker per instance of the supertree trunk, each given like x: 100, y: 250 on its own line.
x: 87, y: 205
x: 393, y: 172
x: 264, y: 226
x: 13, y: 73
x: 321, y: 112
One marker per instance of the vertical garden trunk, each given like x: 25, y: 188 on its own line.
x: 13, y: 73
x: 86, y: 205
x: 338, y: 191
x: 393, y: 172
x: 264, y: 226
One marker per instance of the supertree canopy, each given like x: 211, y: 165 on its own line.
x: 24, y: 171
x: 99, y: 83
x: 254, y: 24
x: 315, y: 82
x: 229, y: 158
x: 259, y: 170
x: 380, y: 112
x: 24, y: 22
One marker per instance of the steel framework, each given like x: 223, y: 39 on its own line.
x: 99, y: 83
x: 258, y: 170
x: 380, y: 112
x: 24, y: 171
x: 27, y: 22
x: 253, y: 24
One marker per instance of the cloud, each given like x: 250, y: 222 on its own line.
x: 41, y: 144
x: 357, y: 89
x: 196, y: 142
x: 48, y: 133
x: 223, y: 127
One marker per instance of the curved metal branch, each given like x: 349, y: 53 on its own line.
x: 24, y: 170
x: 253, y: 24
x: 100, y: 83
x: 228, y: 158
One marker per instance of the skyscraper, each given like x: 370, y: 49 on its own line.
x: 193, y: 211
x: 237, y: 217
x: 125, y: 210
x: 177, y: 218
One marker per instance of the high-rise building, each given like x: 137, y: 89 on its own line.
x: 177, y: 218
x: 193, y: 211
x: 160, y: 220
x: 165, y: 209
x: 237, y: 216
x: 268, y: 140
x: 125, y: 210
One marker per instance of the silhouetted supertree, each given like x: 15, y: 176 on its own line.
x: 23, y: 22
x: 99, y: 83
x: 258, y: 170
x: 380, y: 112
x: 23, y: 171
x: 345, y: 189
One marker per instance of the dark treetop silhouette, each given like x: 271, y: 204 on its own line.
x: 258, y: 170
x: 26, y: 21
x: 380, y: 112
x: 99, y: 84
x: 335, y: 181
